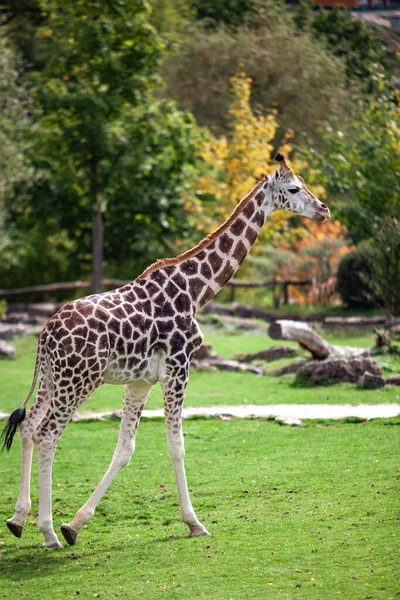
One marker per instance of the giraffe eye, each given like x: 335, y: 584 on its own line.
x: 294, y: 190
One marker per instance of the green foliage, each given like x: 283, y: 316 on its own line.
x: 291, y: 72
x: 14, y: 122
x: 356, y: 42
x: 170, y: 17
x: 30, y: 257
x: 354, y: 273
x: 384, y: 276
x: 232, y: 13
x: 360, y: 167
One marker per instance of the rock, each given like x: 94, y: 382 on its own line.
x: 370, y: 381
x: 11, y: 330
x: 7, y: 349
x: 338, y: 370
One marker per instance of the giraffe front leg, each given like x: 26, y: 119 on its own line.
x: 134, y: 401
x: 174, y: 393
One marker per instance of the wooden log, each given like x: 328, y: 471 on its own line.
x: 226, y: 365
x: 310, y: 340
x: 301, y: 333
x: 393, y: 380
x: 370, y: 381
x: 338, y: 370
x: 271, y: 354
x: 291, y: 368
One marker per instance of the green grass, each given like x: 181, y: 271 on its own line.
x: 205, y: 388
x: 307, y: 513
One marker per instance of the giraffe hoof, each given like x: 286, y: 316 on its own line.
x: 198, y: 531
x: 69, y: 534
x: 14, y: 528
x: 55, y: 544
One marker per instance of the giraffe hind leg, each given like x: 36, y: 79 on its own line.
x: 135, y: 398
x: 45, y: 439
x: 27, y: 428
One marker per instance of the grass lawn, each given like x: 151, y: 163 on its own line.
x: 207, y: 388
x: 308, y: 513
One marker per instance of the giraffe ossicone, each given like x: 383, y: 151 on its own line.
x: 136, y: 335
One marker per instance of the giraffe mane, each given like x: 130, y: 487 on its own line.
x: 167, y: 262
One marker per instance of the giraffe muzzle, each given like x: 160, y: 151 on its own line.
x: 322, y: 214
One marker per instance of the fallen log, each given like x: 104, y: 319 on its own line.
x: 338, y: 370
x: 271, y: 354
x: 310, y: 340
x: 370, y: 381
x: 226, y: 365
x: 393, y: 380
x: 291, y: 368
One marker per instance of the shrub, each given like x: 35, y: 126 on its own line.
x: 354, y: 273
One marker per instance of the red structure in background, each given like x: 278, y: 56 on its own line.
x: 355, y: 3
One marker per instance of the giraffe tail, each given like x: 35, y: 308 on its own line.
x: 19, y: 414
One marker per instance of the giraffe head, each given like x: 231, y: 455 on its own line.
x: 291, y: 194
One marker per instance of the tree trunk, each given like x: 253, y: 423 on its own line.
x: 97, y: 247
x: 97, y: 257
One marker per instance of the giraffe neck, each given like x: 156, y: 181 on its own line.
x: 207, y: 267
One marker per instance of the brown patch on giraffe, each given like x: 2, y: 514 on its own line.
x: 183, y: 303
x: 84, y: 308
x: 165, y: 327
x: 249, y: 210
x: 101, y: 315
x: 152, y: 288
x: 171, y: 289
x: 75, y: 320
x: 237, y: 227
x: 158, y: 277
x: 225, y: 243
x: 180, y: 281
x: 206, y: 271
x: 226, y: 273
x: 196, y: 286
x: 259, y: 218
x: 215, y: 261
x: 259, y: 198
x: 190, y: 267
x: 208, y: 294
x: 127, y: 330
x: 240, y: 252
x: 250, y: 235
x: 119, y: 312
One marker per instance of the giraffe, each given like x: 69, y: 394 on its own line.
x: 136, y: 335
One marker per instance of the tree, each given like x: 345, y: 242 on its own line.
x: 291, y: 72
x: 356, y: 42
x: 102, y: 62
x: 228, y: 12
x: 384, y: 274
x: 360, y: 168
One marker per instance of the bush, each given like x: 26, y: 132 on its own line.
x: 355, y: 270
